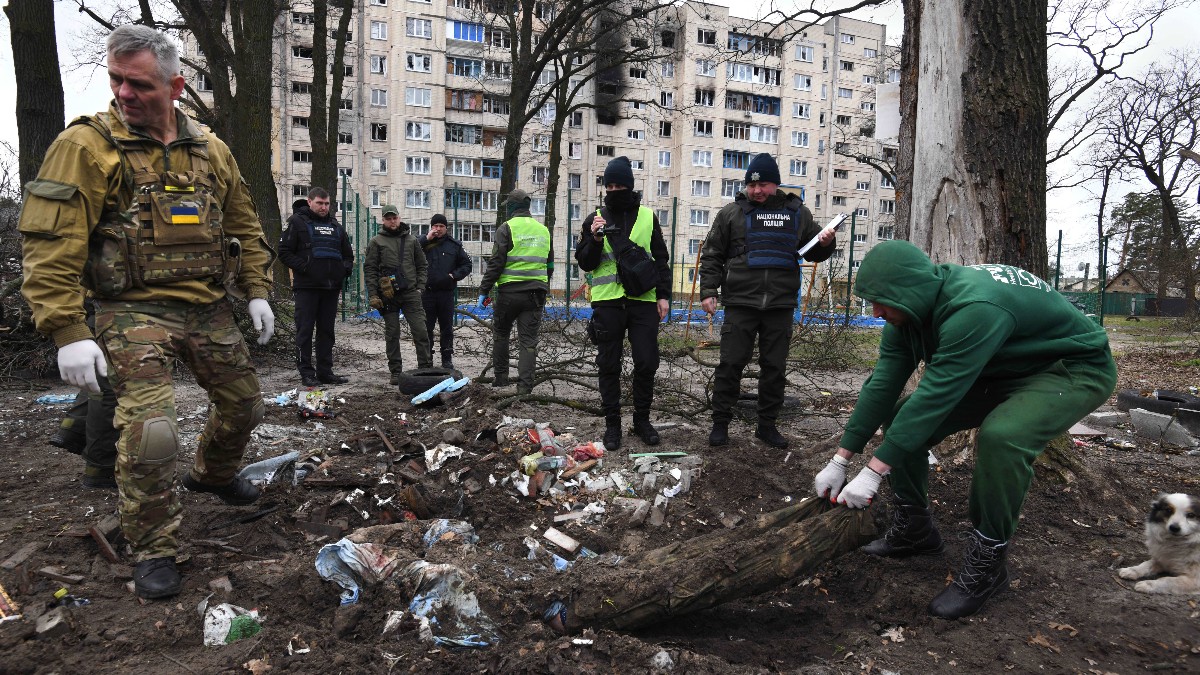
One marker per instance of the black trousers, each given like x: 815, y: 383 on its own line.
x: 773, y: 328
x: 439, y: 311
x: 315, y: 308
x: 611, y: 322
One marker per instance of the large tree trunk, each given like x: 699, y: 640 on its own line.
x: 40, y: 110
x: 976, y: 75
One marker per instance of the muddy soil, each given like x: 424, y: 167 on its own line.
x: 1065, y: 611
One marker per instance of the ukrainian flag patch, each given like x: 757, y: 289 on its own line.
x: 185, y: 215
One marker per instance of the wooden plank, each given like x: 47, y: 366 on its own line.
x: 60, y: 576
x: 106, y: 548
x: 20, y: 556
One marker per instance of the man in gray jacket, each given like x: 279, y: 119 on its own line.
x: 395, y: 269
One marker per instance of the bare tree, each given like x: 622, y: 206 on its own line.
x: 329, y: 73
x: 40, y: 109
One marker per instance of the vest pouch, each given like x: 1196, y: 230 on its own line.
x: 183, y: 239
x: 233, y: 267
x: 180, y: 218
x: 636, y: 270
x: 107, y: 271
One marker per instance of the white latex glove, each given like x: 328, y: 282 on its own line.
x: 79, y: 362
x: 263, y: 319
x: 859, y: 493
x: 831, y: 479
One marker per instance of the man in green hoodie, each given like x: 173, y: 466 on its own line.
x: 1003, y: 353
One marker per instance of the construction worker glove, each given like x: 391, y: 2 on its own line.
x: 263, y: 319
x: 79, y: 362
x: 859, y: 493
x: 831, y: 479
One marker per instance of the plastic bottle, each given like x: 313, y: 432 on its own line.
x: 64, y: 599
x: 553, y: 463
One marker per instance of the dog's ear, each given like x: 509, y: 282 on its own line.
x: 1161, y: 509
x: 1194, y: 506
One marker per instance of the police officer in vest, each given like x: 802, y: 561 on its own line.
x: 317, y: 250
x: 615, y: 312
x: 519, y: 269
x: 749, y: 257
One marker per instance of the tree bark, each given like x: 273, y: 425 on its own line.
x: 40, y: 108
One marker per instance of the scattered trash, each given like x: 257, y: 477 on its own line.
x: 315, y: 403
x: 268, y: 470
x: 438, y: 455
x: 444, y: 531
x: 9, y: 610
x: 285, y: 398
x: 441, y: 598
x: 432, y: 391
x: 55, y: 399
x: 1120, y: 443
x: 351, y: 565
x: 63, y: 598
x: 226, y: 623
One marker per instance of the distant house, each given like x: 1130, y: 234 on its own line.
x: 1079, y: 285
x: 1128, y: 281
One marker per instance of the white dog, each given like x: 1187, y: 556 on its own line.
x: 1173, y: 538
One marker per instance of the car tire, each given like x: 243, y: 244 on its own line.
x: 418, y: 380
x: 1166, y: 403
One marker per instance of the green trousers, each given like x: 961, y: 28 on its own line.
x: 524, y: 310
x: 414, y: 313
x: 1016, y: 419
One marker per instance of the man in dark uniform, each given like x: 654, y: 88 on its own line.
x: 317, y: 250
x: 750, y: 257
x: 615, y: 311
x: 448, y: 265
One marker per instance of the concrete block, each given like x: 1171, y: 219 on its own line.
x: 1162, y: 428
x: 53, y: 624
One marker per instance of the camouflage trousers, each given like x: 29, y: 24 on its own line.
x: 141, y: 341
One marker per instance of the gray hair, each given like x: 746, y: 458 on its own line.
x: 132, y: 38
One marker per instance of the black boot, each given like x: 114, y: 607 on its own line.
x: 156, y: 578
x: 912, y: 533
x: 612, y: 432
x: 719, y: 434
x: 983, y: 573
x: 237, y: 492
x: 644, y: 430
x: 767, y: 433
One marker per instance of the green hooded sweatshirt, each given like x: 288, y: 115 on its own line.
x: 981, y: 322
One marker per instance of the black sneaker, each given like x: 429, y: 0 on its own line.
x: 645, y: 431
x: 99, y: 478
x: 310, y: 381
x: 71, y: 441
x: 719, y: 435
x: 332, y: 379
x: 156, y: 578
x: 768, y: 434
x: 237, y: 492
x: 447, y: 364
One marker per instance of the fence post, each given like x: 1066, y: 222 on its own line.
x: 1058, y: 262
x: 1103, y: 274
x: 850, y: 265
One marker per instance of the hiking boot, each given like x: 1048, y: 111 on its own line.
x: 71, y: 441
x: 156, y: 578
x: 395, y: 379
x: 645, y: 431
x: 912, y: 532
x: 237, y: 492
x: 501, y: 382
x: 331, y: 378
x: 310, y: 381
x: 984, y: 572
x: 447, y: 364
x: 612, y: 432
x: 767, y: 433
x: 719, y: 434
x: 99, y: 478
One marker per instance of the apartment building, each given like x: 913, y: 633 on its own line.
x: 425, y: 106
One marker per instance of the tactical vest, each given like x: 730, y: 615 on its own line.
x: 325, y: 240
x: 771, y: 237
x: 527, y: 258
x: 169, y: 231
x: 606, y: 284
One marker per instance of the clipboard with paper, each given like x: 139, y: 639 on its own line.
x: 833, y: 225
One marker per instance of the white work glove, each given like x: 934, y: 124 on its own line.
x: 263, y: 319
x: 831, y: 479
x: 859, y: 493
x: 79, y: 362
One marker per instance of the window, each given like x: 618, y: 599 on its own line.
x: 574, y: 181
x: 301, y: 156
x: 862, y: 185
x: 378, y: 131
x: 819, y: 170
x: 847, y: 39
x: 739, y: 131
x: 605, y: 151
x: 803, y: 82
x: 893, y: 75
x: 636, y: 134
x: 702, y: 158
x: 706, y: 37
x: 705, y: 68
x: 416, y: 199
x: 839, y: 201
x: 302, y: 52
x: 764, y: 134
x: 802, y: 110
x: 498, y: 38
x: 537, y: 206
x: 763, y: 105
x: 575, y: 121
x: 739, y: 72
x: 497, y: 70
x: 496, y: 104
x: 824, y: 92
x: 418, y: 96
x: 346, y: 104
x: 418, y: 131
x: 730, y: 187
x: 464, y: 133
x: 301, y: 122
x: 706, y: 97
x: 303, y: 18
x: 379, y: 197
x: 379, y: 98
x: 539, y: 174
x: 847, y: 66
x: 886, y: 232
x: 699, y: 217
x: 868, y: 79
x: 700, y: 188
x: 885, y: 182
x: 667, y: 39
x: 464, y: 30
x: 637, y: 73
x: 664, y: 158
x: 663, y: 216
x: 867, y: 106
x: 417, y: 165
x: 843, y: 92
x: 666, y: 99
x: 733, y: 159
x: 843, y: 119
x: 703, y: 128
x: 379, y: 64
x: 804, y: 53
x: 664, y: 129
x: 493, y: 168
x: 418, y: 63
x: 861, y: 212
x: 379, y: 166
x: 637, y: 164
x: 817, y: 205
x: 379, y: 3
x: 379, y: 30
x: 667, y: 69
x: 841, y: 174
x: 574, y: 150
x: 798, y: 167
x: 800, y: 139
x: 461, y: 166
x: 345, y: 137
x: 887, y: 205
x: 345, y: 172
x: 664, y: 188
x: 418, y: 28
x: 869, y: 53
x: 301, y: 87
x: 693, y: 246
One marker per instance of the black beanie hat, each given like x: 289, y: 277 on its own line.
x: 439, y: 218
x: 619, y: 172
x: 763, y: 169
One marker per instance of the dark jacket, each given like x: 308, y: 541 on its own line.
x: 968, y: 324
x: 383, y: 258
x: 723, y: 263
x: 588, y: 251
x: 295, y: 250
x: 448, y: 262
x: 495, y: 264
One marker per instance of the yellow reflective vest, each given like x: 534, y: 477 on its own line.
x: 530, y: 248
x: 606, y: 285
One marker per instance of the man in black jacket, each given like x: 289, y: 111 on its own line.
x: 448, y: 265
x: 317, y: 250
x: 621, y: 222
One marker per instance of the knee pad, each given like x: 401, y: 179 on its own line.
x: 160, y: 441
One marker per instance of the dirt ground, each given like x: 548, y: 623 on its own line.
x: 1066, y: 609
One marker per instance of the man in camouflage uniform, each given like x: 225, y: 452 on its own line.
x: 395, y: 271
x: 149, y: 212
